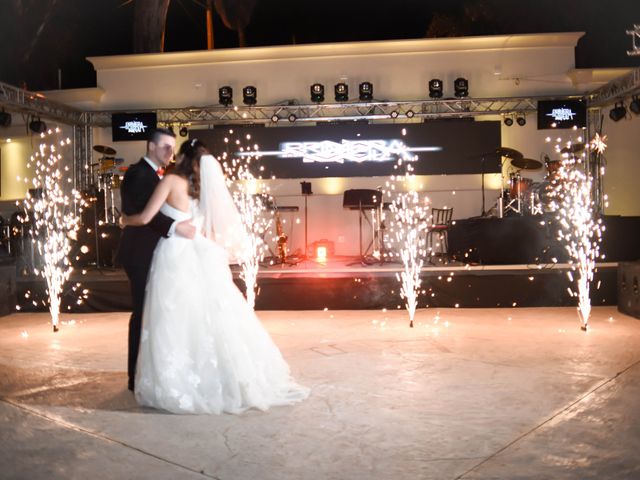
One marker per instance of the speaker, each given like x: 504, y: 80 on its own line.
x: 629, y: 288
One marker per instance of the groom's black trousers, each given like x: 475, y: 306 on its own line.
x: 138, y: 281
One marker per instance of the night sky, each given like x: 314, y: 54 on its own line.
x: 70, y: 30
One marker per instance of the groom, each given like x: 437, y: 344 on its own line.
x: 138, y: 243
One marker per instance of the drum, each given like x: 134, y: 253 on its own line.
x: 553, y: 169
x: 518, y: 186
x: 116, y: 181
x: 541, y: 197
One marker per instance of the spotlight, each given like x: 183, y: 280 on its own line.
x: 508, y: 121
x: 317, y: 92
x: 37, y: 126
x: 618, y: 112
x: 275, y: 118
x: 522, y: 121
x: 393, y: 114
x: 184, y: 131
x: 634, y: 106
x: 225, y: 95
x: 249, y: 95
x: 366, y: 91
x: 410, y: 114
x: 435, y: 88
x: 5, y: 119
x: 342, y: 92
x: 292, y: 117
x: 461, y: 87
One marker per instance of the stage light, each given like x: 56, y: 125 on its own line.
x: 317, y: 92
x: 184, y: 131
x: 249, y: 95
x: 410, y: 114
x: 634, y: 106
x: 461, y: 87
x: 5, y: 119
x: 341, y: 91
x: 521, y: 120
x: 508, y: 121
x: 366, y: 91
x: 321, y: 254
x: 435, y: 88
x: 618, y: 112
x: 292, y: 117
x: 394, y: 114
x: 275, y: 118
x: 225, y: 95
x: 37, y: 126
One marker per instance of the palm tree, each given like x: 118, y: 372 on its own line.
x: 150, y: 17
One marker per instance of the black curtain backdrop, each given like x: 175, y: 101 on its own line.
x: 525, y: 240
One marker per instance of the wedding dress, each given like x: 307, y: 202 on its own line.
x: 202, y: 349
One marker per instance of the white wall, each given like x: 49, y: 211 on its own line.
x: 622, y: 171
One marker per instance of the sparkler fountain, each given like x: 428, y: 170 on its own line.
x: 248, y: 195
x: 54, y: 219
x: 579, y: 229
x: 408, y: 229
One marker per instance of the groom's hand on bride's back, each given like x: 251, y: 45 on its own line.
x: 186, y: 229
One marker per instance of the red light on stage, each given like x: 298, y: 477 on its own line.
x: 322, y: 250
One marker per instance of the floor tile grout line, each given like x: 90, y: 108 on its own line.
x: 76, y: 428
x: 552, y: 417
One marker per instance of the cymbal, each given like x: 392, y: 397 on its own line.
x: 575, y: 148
x: 105, y: 150
x: 526, y: 163
x: 509, y: 153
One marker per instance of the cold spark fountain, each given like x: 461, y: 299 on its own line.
x: 54, y: 220
x: 249, y: 195
x: 408, y: 229
x: 579, y: 229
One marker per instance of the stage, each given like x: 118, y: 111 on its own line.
x: 466, y: 394
x: 347, y: 284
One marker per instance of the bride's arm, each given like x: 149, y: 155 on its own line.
x: 159, y: 196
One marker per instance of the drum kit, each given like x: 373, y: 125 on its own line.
x: 107, y: 171
x: 523, y: 196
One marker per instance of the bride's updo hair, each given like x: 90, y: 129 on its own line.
x: 188, y: 165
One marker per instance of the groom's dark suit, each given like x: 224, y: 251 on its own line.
x: 137, y: 245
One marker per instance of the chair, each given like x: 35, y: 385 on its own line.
x: 440, y: 223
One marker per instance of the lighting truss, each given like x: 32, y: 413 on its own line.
x: 37, y: 104
x: 615, y: 90
x: 217, y: 115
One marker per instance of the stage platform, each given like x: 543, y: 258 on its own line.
x: 347, y: 284
x: 468, y: 394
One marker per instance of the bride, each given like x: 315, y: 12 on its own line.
x: 202, y: 349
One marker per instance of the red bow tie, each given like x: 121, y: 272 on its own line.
x: 160, y: 171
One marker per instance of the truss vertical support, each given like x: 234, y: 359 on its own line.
x: 82, y: 141
x: 595, y: 159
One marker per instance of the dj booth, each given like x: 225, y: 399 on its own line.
x: 534, y: 239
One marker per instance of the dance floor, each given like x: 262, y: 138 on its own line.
x: 511, y: 393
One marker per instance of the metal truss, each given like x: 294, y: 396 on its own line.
x: 635, y: 35
x: 616, y: 90
x: 33, y: 103
x: 220, y: 115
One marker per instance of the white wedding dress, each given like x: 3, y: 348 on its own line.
x: 202, y: 349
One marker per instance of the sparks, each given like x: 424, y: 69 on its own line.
x: 253, y: 211
x: 579, y: 230
x: 54, y: 221
x: 408, y: 229
x: 599, y: 143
